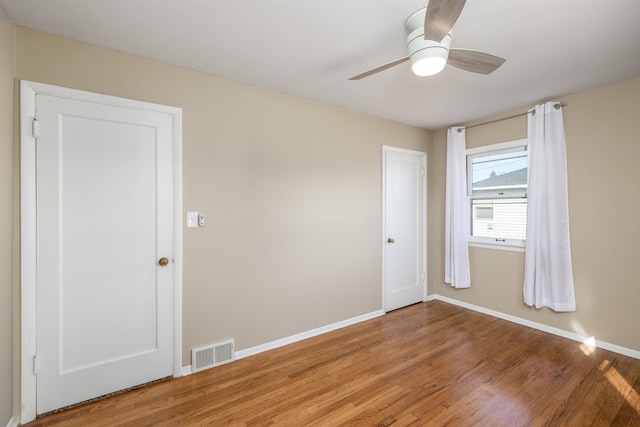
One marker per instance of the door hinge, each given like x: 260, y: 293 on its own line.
x: 36, y: 365
x: 35, y: 128
x: 423, y: 276
x: 424, y: 172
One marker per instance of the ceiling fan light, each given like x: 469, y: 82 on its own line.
x: 428, y: 66
x: 429, y: 61
x: 428, y: 57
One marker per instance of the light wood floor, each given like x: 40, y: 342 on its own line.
x: 430, y: 364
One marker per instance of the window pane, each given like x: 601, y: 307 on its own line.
x: 502, y: 174
x: 508, y: 220
x: 484, y: 212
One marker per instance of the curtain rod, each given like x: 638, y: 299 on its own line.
x: 557, y: 106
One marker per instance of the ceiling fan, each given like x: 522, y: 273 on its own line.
x: 429, y: 40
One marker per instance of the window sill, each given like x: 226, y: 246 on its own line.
x: 498, y: 246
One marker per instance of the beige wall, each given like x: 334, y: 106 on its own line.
x: 603, y: 149
x: 7, y: 43
x: 290, y: 188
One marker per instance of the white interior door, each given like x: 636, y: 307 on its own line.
x: 404, y: 188
x: 105, y: 215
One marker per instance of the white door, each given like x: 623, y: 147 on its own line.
x: 104, y: 215
x: 404, y: 265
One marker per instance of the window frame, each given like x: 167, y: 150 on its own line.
x: 484, y: 151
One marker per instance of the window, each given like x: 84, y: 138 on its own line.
x: 484, y: 212
x: 497, y: 189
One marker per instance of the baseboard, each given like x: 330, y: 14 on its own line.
x: 13, y: 422
x: 308, y: 334
x: 186, y: 370
x: 542, y: 327
x: 241, y: 354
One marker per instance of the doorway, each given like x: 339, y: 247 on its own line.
x: 101, y: 245
x: 404, y: 185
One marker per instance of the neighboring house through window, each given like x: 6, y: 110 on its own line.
x: 497, y: 188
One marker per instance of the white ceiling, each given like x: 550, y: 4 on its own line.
x: 309, y: 48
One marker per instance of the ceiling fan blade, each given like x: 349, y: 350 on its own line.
x: 474, y: 61
x: 440, y: 17
x: 380, y: 68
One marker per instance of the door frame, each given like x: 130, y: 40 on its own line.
x: 423, y: 155
x: 28, y: 92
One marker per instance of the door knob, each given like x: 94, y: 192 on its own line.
x: 163, y: 261
x: 390, y: 240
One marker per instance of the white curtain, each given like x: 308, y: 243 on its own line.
x: 456, y: 223
x: 548, y: 278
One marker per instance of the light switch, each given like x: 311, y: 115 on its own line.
x: 192, y: 219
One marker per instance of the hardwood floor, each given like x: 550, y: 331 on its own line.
x: 430, y: 364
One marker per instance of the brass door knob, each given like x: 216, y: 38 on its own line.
x: 390, y: 240
x: 163, y: 261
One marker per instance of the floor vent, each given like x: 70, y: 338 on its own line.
x: 212, y: 355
